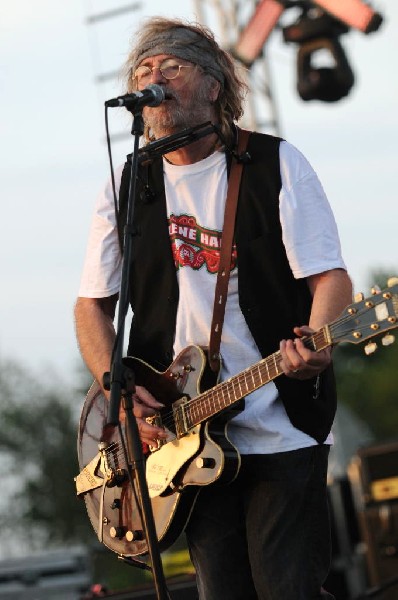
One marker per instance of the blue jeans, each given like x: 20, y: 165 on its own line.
x: 266, y: 535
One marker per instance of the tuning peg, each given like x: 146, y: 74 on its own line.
x: 359, y: 297
x: 388, y: 339
x: 375, y: 290
x: 392, y: 281
x: 370, y: 348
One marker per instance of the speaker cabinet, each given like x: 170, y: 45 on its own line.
x: 373, y: 474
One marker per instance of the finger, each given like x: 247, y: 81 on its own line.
x: 312, y: 358
x: 303, y: 330
x: 150, y: 433
x: 142, y: 395
x: 291, y: 361
x: 305, y: 354
x: 142, y: 411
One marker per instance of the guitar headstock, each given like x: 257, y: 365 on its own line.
x: 368, y: 317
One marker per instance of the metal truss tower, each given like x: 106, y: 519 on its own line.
x: 227, y: 18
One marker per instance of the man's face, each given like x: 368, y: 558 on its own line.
x: 190, y: 95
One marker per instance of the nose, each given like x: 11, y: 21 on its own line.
x: 156, y: 76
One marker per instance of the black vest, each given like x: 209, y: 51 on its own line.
x: 271, y: 300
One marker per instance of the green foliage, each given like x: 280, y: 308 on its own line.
x: 369, y: 384
x: 39, y: 461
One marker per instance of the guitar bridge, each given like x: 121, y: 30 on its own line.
x: 114, y: 472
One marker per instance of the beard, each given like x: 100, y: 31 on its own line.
x: 176, y: 113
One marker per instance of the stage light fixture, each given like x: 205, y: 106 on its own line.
x: 316, y: 31
x: 327, y: 84
x: 317, y: 34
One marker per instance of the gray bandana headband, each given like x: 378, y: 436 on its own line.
x: 182, y: 43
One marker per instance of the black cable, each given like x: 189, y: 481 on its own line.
x: 115, y: 202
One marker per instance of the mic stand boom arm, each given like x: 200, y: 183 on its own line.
x: 172, y: 142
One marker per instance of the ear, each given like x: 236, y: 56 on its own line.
x: 214, y: 90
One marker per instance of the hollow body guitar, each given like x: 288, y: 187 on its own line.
x: 197, y: 451
x: 194, y: 455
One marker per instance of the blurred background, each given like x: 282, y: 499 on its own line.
x: 324, y: 80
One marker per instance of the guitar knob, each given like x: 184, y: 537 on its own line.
x: 176, y: 375
x: 388, y: 339
x: 370, y: 348
x: 375, y: 290
x: 203, y: 462
x: 134, y: 536
x: 392, y: 281
x: 117, y: 532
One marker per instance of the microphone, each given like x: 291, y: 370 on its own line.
x: 152, y: 95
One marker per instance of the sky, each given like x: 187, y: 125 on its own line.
x: 54, y: 160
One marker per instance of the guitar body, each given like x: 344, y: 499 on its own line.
x: 175, y: 472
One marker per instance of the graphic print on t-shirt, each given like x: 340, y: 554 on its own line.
x: 196, y: 246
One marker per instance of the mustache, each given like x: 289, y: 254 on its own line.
x: 170, y: 95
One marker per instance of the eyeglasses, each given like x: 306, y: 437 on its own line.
x: 169, y: 69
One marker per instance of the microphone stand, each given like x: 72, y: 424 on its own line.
x: 172, y: 142
x: 122, y: 381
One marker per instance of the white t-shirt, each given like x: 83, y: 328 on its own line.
x: 195, y: 196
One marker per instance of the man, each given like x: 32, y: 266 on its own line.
x: 265, y: 535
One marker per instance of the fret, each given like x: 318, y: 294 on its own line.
x: 236, y: 397
x: 240, y: 389
x: 267, y: 367
x: 221, y: 395
x: 245, y: 388
x: 319, y: 340
x: 252, y: 374
x: 259, y: 371
x: 313, y: 345
x: 187, y: 412
x: 276, y: 366
x: 229, y: 393
x: 195, y: 412
x: 203, y: 411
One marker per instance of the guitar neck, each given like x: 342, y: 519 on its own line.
x: 223, y: 395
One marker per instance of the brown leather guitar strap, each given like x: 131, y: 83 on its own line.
x: 221, y: 292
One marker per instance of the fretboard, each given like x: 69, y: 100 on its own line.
x: 210, y: 403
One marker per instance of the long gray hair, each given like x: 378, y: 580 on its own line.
x: 197, y: 44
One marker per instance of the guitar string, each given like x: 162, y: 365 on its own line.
x: 223, y: 389
x: 196, y: 405
x: 199, y: 404
x: 256, y: 373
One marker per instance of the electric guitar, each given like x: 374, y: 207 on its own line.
x: 197, y: 451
